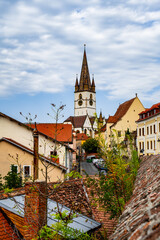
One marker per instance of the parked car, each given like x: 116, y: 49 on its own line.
x: 99, y: 161
x: 94, y: 161
x: 102, y: 166
x: 90, y: 158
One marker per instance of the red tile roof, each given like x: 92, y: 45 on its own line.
x: 148, y: 110
x: 121, y: 111
x: 7, y: 231
x: 81, y: 136
x: 64, y: 131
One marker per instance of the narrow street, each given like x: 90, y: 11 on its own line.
x: 89, y: 168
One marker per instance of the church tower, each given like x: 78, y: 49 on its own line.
x: 84, y: 95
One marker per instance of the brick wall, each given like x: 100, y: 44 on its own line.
x: 35, y: 208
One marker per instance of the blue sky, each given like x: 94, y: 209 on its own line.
x: 41, y: 50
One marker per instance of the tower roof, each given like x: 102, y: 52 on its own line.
x: 84, y: 82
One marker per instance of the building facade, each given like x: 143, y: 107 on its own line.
x: 124, y: 120
x: 148, y: 131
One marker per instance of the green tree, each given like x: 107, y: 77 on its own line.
x: 61, y: 229
x: 91, y: 145
x: 13, y: 179
x: 113, y: 190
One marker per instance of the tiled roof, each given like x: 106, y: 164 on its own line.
x: 112, y: 119
x: 92, y: 119
x: 11, y: 141
x: 141, y: 216
x: 63, y: 134
x: 77, y: 121
x: 81, y: 136
x: 144, y: 114
x: 75, y: 195
x: 121, y: 111
x: 72, y: 194
x: 7, y: 231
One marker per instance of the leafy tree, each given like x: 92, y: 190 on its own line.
x: 91, y: 145
x: 115, y: 189
x: 13, y: 179
x: 61, y: 230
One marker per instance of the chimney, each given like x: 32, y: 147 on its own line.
x: 35, y: 212
x: 74, y: 147
x: 35, y: 162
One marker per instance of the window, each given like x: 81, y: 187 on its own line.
x: 147, y: 145
x: 27, y: 171
x: 159, y: 127
x: 150, y: 129
x: 140, y: 146
x: 154, y: 144
x: 151, y: 144
x: 142, y: 131
x: 139, y: 131
x: 119, y: 133
x: 143, y: 145
x: 147, y: 130
x: 154, y: 128
x: 80, y: 96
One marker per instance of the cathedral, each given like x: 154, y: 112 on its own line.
x: 84, y: 119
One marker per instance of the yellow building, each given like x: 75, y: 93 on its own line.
x: 123, y: 120
x: 148, y: 131
x: 14, y: 153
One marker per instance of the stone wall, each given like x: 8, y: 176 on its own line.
x: 141, y: 216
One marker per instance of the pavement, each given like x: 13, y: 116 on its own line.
x: 89, y: 168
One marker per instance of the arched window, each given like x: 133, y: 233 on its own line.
x: 80, y: 96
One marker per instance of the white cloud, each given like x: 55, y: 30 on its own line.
x: 41, y: 46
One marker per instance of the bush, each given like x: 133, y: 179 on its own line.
x: 91, y: 145
x: 13, y: 179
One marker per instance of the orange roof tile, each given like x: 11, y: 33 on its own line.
x: 64, y: 131
x: 6, y: 230
x: 81, y: 136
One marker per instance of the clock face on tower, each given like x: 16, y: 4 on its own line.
x: 80, y: 102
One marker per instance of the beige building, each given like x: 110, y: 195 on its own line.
x: 11, y: 152
x: 123, y: 120
x: 23, y: 134
x: 148, y: 131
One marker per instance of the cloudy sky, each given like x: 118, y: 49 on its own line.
x: 41, y: 50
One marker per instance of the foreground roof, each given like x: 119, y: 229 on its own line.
x: 80, y: 222
x: 141, y: 216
